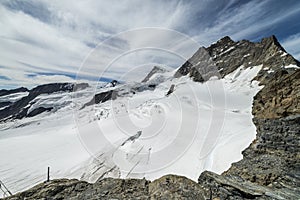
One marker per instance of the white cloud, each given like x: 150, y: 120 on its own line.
x: 292, y: 44
x: 62, y: 44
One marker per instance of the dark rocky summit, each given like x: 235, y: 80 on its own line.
x: 113, y: 83
x: 18, y: 109
x: 200, y: 67
x: 225, y: 56
x: 38, y: 110
x: 102, y: 97
x: 154, y: 70
x: 270, y: 168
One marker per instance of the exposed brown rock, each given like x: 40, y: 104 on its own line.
x: 167, y: 187
x: 273, y: 159
x: 175, y: 187
x: 280, y: 97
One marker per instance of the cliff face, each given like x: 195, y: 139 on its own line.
x: 270, y: 168
x: 280, y: 96
x: 273, y: 158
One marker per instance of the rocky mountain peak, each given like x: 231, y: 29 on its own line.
x: 272, y: 40
x: 228, y: 55
x: 279, y: 72
x: 272, y: 48
x: 226, y: 39
x: 200, y: 66
x: 222, y: 43
x: 155, y: 69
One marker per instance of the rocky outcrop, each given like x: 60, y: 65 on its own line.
x: 167, y: 187
x: 38, y: 111
x: 18, y: 109
x: 171, y: 90
x: 102, y: 97
x: 273, y: 158
x: 234, y: 187
x: 270, y: 168
x: 13, y: 91
x: 175, y: 187
x: 114, y: 83
x: 280, y: 97
x: 56, y: 189
x: 110, y: 188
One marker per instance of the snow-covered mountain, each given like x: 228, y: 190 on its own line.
x: 195, y: 118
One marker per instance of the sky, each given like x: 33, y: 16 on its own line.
x: 45, y: 41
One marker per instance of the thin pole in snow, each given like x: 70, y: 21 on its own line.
x: 48, y: 174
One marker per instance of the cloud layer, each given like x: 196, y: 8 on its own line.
x: 52, y: 38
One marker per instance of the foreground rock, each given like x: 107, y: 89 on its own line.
x: 175, y: 187
x: 234, y: 187
x: 167, y: 187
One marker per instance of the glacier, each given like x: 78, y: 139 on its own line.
x: 200, y: 126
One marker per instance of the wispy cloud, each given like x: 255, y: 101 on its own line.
x: 54, y: 36
x: 292, y: 45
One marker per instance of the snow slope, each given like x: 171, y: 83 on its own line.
x: 200, y: 126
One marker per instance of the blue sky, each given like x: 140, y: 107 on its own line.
x: 48, y: 40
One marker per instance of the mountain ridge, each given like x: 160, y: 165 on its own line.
x: 226, y: 55
x: 18, y: 109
